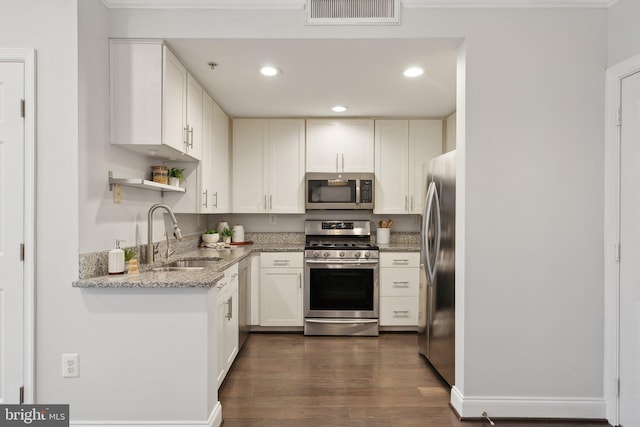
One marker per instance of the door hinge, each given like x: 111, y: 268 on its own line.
x: 21, y: 395
x: 21, y: 251
x: 22, y: 108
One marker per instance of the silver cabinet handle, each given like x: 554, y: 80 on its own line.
x: 337, y: 163
x: 401, y: 261
x: 342, y: 162
x: 281, y: 261
x: 190, y: 132
x: 300, y: 280
x: 206, y: 198
x: 185, y: 135
x: 400, y: 284
x: 270, y: 201
x: 265, y: 202
x: 411, y: 203
x: 229, y: 314
x: 406, y: 203
x: 216, y: 204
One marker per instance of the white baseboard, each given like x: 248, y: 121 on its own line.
x: 215, y: 420
x: 528, y: 407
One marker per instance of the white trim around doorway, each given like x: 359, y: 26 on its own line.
x: 28, y: 58
x: 614, y: 76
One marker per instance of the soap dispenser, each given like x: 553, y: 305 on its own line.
x: 116, y: 259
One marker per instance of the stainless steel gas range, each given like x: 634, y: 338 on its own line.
x: 341, y: 291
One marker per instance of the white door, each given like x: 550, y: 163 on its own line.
x: 11, y: 231
x: 630, y: 253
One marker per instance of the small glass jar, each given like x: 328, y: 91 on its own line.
x: 160, y: 174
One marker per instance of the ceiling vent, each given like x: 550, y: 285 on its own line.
x: 353, y: 12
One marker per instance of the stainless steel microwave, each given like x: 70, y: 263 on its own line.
x: 339, y: 190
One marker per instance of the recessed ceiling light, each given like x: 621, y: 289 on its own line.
x: 270, y: 71
x: 339, y: 109
x: 413, y: 72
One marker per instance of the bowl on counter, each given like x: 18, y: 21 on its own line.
x: 210, y: 238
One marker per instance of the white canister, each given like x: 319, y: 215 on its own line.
x: 383, y: 236
x: 238, y: 233
x: 221, y: 226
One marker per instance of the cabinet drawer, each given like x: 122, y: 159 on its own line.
x: 400, y: 259
x: 398, y: 311
x: 399, y: 282
x: 281, y: 259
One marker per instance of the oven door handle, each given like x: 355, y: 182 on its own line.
x: 340, y: 261
x: 340, y: 321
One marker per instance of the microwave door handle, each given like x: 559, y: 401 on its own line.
x: 358, y: 192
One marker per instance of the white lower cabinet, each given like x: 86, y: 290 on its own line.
x: 399, y: 287
x: 281, y: 289
x: 227, y: 322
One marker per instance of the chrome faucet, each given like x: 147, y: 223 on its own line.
x: 176, y: 231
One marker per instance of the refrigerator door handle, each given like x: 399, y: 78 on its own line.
x: 432, y: 208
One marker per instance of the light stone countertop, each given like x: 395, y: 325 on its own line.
x: 207, y: 277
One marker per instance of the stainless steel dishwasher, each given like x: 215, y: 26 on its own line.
x: 244, y: 300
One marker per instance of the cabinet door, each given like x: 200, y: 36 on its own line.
x: 221, y: 317
x: 285, y: 166
x: 231, y: 324
x: 220, y: 163
x: 174, y: 101
x: 140, y: 122
x: 392, y: 160
x: 281, y: 297
x: 193, y: 145
x: 249, y: 195
x: 207, y: 168
x: 358, y: 146
x: 325, y: 142
x: 425, y: 143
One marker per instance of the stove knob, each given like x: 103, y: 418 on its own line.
x: 316, y: 254
x: 357, y: 255
x: 325, y: 254
x: 367, y: 254
x: 342, y: 254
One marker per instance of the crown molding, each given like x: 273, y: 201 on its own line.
x: 205, y: 4
x: 300, y: 4
x: 507, y: 3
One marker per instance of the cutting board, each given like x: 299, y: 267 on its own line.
x: 248, y: 242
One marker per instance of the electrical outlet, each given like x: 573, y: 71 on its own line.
x: 272, y: 219
x: 70, y: 365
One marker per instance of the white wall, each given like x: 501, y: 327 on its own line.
x: 624, y: 40
x: 50, y: 27
x: 101, y: 220
x: 534, y: 125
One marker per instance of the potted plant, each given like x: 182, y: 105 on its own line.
x: 210, y: 236
x: 226, y: 235
x: 129, y: 253
x: 176, y: 176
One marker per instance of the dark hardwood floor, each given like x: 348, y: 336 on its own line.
x: 282, y: 380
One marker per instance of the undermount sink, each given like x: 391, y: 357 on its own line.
x: 188, y: 264
x: 195, y: 262
x: 166, y: 268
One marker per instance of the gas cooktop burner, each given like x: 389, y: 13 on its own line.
x: 341, y: 245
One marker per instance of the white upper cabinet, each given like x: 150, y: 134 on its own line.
x: 149, y: 101
x: 340, y: 145
x: 268, y: 166
x: 193, y: 145
x: 207, y: 182
x: 403, y: 149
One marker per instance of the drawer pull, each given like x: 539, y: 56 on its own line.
x: 401, y: 313
x: 400, y: 284
x: 401, y: 261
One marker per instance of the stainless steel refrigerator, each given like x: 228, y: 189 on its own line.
x: 436, y: 318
